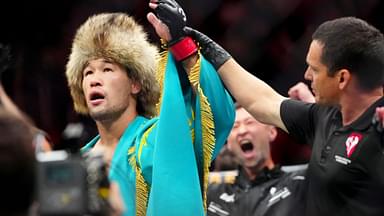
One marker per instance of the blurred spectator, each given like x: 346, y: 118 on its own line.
x: 41, y: 139
x: 17, y: 165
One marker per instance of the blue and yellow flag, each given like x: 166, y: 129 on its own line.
x: 183, y: 141
x: 175, y: 188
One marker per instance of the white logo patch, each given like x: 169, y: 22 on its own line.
x: 227, y: 198
x: 342, y: 160
x: 278, y: 195
x: 216, y: 208
x: 351, y: 143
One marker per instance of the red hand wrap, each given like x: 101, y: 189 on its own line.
x: 183, y: 49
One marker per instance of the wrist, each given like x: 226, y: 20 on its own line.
x: 183, y: 48
x: 189, y: 62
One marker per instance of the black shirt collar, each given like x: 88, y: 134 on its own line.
x: 364, y: 121
x: 263, y: 176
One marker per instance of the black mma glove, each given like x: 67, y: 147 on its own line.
x: 172, y: 15
x: 214, y: 53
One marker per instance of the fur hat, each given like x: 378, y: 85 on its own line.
x: 119, y: 38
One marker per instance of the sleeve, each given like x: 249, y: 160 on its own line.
x: 298, y: 118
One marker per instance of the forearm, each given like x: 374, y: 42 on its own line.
x: 189, y: 63
x: 10, y: 106
x: 252, y: 93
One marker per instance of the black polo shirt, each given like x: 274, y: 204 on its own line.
x: 346, y: 169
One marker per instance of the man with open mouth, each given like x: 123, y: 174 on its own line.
x: 261, y: 187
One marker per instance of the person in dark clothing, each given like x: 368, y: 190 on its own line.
x: 42, y: 141
x: 261, y: 187
x: 17, y: 165
x: 346, y: 70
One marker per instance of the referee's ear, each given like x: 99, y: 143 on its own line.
x: 344, y: 78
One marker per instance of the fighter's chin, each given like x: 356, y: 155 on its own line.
x: 101, y: 115
x: 105, y: 115
x: 98, y: 116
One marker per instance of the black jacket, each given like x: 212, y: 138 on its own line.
x: 273, y: 192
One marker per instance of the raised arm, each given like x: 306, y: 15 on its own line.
x: 253, y: 94
x: 170, y: 17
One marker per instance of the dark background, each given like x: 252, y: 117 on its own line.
x: 268, y: 37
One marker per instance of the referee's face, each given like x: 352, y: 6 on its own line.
x: 324, y: 87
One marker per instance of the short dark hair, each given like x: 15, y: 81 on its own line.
x: 353, y: 44
x: 17, y: 164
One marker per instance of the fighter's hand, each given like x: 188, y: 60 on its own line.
x: 169, y: 16
x: 160, y: 28
x: 378, y: 119
x: 301, y: 92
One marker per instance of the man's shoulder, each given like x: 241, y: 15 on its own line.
x: 293, y: 181
x: 295, y: 169
x: 290, y: 104
x: 144, y: 126
x: 295, y: 172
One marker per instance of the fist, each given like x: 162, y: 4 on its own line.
x: 173, y: 16
x: 301, y: 92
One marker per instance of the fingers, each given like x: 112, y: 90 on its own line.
x: 379, y: 118
x: 299, y: 85
x: 151, y: 17
x: 293, y: 91
x: 380, y: 113
x: 293, y: 94
x: 153, y: 5
x: 160, y: 28
x: 300, y: 91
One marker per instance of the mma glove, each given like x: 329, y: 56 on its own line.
x: 212, y: 51
x: 172, y: 15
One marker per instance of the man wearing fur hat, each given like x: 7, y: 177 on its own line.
x: 118, y: 78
